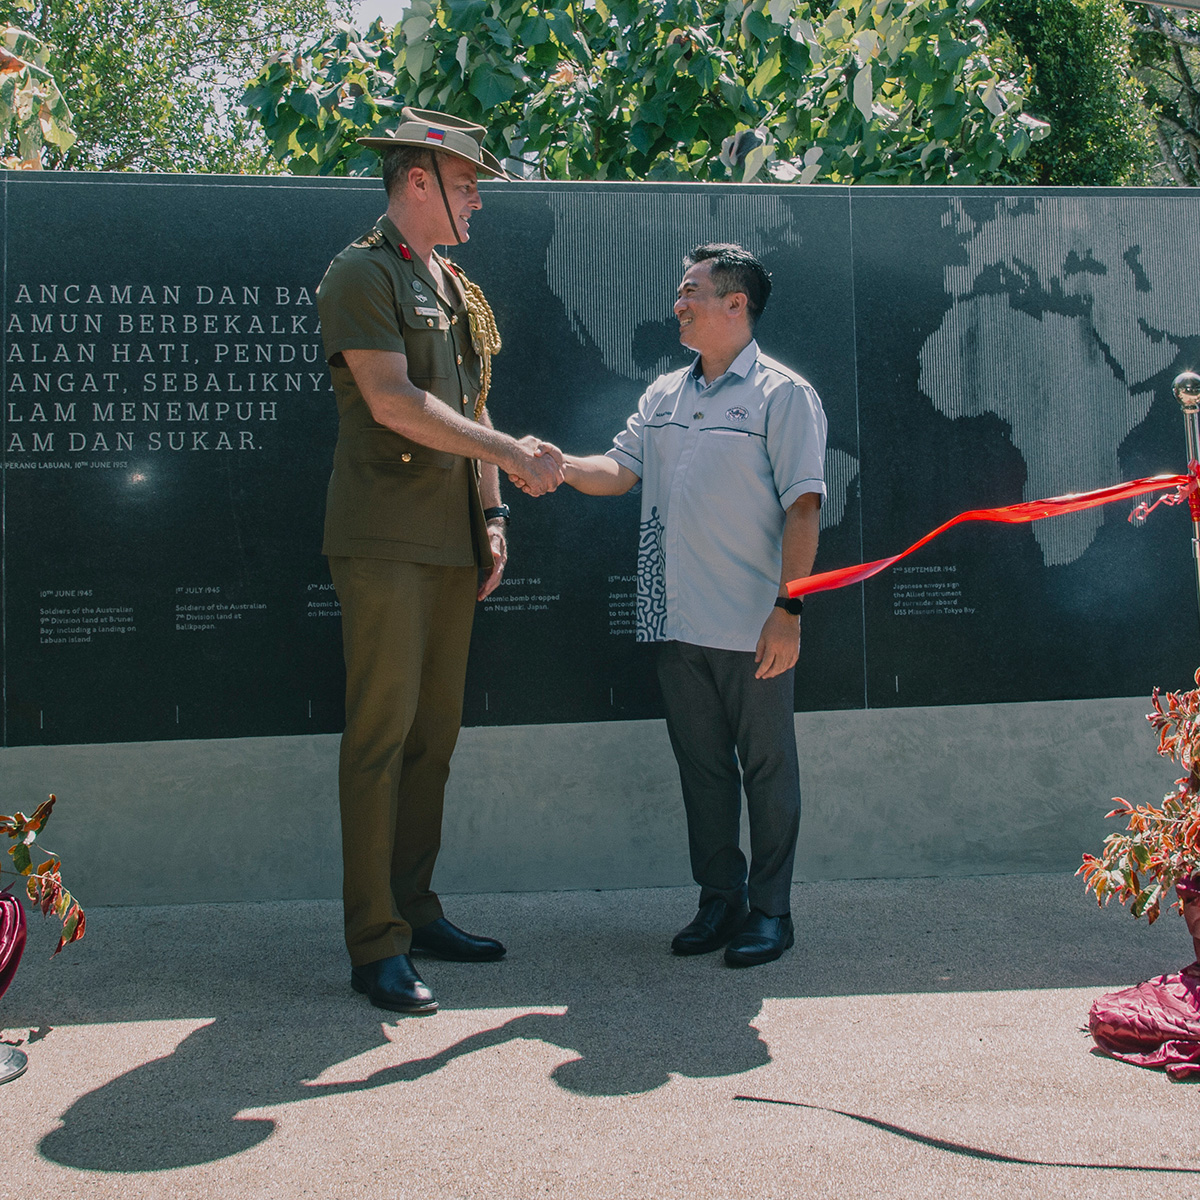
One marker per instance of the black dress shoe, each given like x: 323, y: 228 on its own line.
x: 761, y: 939
x: 715, y: 923
x: 392, y: 983
x: 443, y: 940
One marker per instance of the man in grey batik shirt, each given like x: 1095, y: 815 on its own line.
x: 731, y: 454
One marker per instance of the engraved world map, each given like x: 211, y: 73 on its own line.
x: 1062, y: 318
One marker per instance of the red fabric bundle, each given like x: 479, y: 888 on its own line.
x: 12, y: 937
x: 1156, y: 1024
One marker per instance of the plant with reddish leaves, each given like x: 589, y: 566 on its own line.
x: 1160, y: 847
x: 44, y: 884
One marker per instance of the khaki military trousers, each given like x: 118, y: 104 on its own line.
x: 406, y: 629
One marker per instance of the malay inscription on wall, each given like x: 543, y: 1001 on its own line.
x: 108, y: 370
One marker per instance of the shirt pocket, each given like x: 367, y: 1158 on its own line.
x: 730, y: 460
x: 427, y: 343
x: 408, y: 486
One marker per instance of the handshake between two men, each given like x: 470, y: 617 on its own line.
x: 595, y: 475
x: 538, y: 468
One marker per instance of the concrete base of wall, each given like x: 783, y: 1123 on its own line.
x: 889, y: 793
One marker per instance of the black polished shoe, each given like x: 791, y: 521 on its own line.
x: 715, y: 923
x: 443, y: 940
x: 392, y: 983
x: 761, y: 939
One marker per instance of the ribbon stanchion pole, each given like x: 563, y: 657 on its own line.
x: 1187, y: 391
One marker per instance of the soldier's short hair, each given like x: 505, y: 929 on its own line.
x: 399, y: 160
x: 735, y: 269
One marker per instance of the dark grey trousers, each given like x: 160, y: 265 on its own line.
x: 720, y: 716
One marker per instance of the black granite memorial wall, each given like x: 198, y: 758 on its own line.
x: 168, y: 427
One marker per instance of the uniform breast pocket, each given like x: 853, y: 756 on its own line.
x: 426, y: 343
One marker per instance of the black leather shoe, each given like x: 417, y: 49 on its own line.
x: 715, y: 923
x: 761, y: 939
x: 392, y: 983
x: 443, y: 940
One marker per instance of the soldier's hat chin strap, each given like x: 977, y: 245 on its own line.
x: 442, y: 188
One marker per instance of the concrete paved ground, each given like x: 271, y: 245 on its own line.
x: 926, y: 1036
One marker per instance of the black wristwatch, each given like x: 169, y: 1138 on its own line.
x: 500, y: 510
x: 790, y: 604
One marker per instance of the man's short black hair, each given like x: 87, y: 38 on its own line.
x: 399, y: 160
x: 735, y: 269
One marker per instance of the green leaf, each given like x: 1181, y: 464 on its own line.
x: 812, y: 164
x: 654, y: 110
x: 1017, y: 144
x: 755, y: 161
x: 21, y: 859
x: 763, y: 76
x: 417, y: 58
x: 534, y: 30
x: 780, y: 10
x: 642, y: 136
x: 415, y: 28
x: 991, y: 99
x: 491, y: 87
x: 465, y: 14
x: 836, y: 27
x: 703, y: 70
x: 947, y: 121
x: 863, y: 92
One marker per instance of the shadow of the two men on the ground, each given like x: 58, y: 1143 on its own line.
x: 280, y: 1011
x: 634, y: 1016
x: 180, y: 1109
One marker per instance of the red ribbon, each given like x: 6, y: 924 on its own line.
x: 1183, y: 487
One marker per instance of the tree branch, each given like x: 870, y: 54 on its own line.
x: 1164, y: 25
x: 1189, y: 86
x: 1190, y: 137
x: 1168, y: 157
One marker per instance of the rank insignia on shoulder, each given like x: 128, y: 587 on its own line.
x: 405, y: 253
x: 371, y: 240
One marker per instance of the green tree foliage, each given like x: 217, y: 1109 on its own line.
x: 1166, y: 54
x: 888, y: 91
x: 33, y: 113
x: 1083, y: 84
x: 152, y: 83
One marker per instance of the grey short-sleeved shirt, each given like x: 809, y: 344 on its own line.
x: 719, y: 465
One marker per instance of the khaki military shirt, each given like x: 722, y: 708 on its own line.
x: 390, y: 497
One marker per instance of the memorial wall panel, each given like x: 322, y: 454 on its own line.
x: 169, y: 424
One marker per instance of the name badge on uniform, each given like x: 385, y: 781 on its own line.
x: 426, y: 312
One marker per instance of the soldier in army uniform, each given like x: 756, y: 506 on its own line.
x: 411, y: 519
